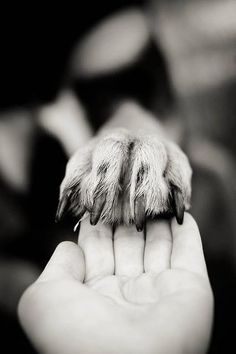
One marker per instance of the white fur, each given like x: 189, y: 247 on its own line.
x: 162, y: 161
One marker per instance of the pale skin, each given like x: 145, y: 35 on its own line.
x: 123, y: 294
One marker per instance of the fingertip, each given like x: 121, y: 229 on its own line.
x: 86, y: 229
x: 97, y: 245
x: 189, y: 218
x: 66, y: 261
x: 64, y: 251
x: 65, y: 246
x: 187, y: 232
x: 188, y: 224
x: 187, y: 251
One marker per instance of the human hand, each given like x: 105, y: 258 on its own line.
x: 124, y: 295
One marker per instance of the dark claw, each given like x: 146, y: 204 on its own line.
x: 178, y: 204
x: 63, y: 206
x: 97, y: 208
x: 139, y: 213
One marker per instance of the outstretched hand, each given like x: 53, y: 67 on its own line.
x: 123, y: 294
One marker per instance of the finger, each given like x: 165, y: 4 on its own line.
x: 158, y: 247
x: 128, y: 248
x: 96, y: 243
x: 67, y: 261
x: 187, y: 252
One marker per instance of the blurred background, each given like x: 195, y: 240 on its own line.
x: 42, y: 121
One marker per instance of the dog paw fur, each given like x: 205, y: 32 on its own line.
x: 121, y: 177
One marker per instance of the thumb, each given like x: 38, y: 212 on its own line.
x: 67, y: 261
x: 40, y: 305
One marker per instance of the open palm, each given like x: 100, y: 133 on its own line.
x: 122, y: 293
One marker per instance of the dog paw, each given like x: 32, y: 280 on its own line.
x: 125, y: 178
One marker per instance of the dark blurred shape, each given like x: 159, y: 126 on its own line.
x: 35, y: 42
x: 146, y: 81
